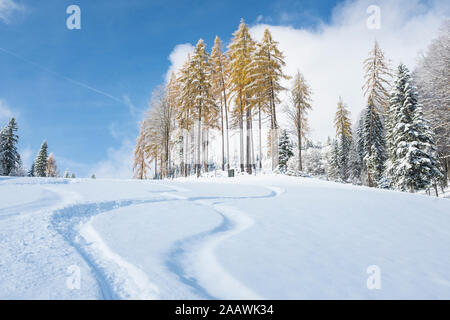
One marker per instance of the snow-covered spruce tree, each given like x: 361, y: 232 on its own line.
x: 52, y: 168
x: 334, y: 169
x: 31, y: 171
x: 66, y: 174
x: 344, y: 135
x: 374, y: 167
x: 284, y: 151
x: 9, y: 156
x: 40, y: 164
x: 356, y: 156
x: 73, y: 176
x: 93, y: 176
x: 373, y: 144
x: 412, y: 153
x: 19, y: 171
x: 433, y: 81
x: 313, y: 162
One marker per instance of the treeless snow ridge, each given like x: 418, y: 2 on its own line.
x: 250, y: 237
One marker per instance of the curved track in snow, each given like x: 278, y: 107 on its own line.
x: 200, y: 249
x: 67, y: 222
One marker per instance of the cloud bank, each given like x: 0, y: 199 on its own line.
x: 331, y: 55
x: 178, y: 57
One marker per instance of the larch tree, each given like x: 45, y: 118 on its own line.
x: 376, y: 89
x: 172, y: 93
x: 270, y: 63
x: 52, y: 169
x: 240, y: 55
x: 344, y: 134
x: 185, y: 112
x: 220, y: 83
x: 412, y: 156
x: 258, y: 87
x: 9, y: 156
x: 163, y: 117
x: 40, y: 164
x: 297, y: 110
x: 377, y: 76
x: 140, y: 165
x: 200, y: 69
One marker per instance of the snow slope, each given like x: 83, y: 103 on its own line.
x: 264, y: 237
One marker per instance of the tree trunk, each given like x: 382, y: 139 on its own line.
x: 253, y: 148
x: 249, y: 151
x: 260, y: 138
x: 223, y: 135
x: 448, y: 167
x: 275, y: 127
x: 299, y: 138
x: 206, y: 151
x: 156, y: 167
x: 199, y: 141
x: 186, y: 144
x: 241, y: 136
x: 226, y: 125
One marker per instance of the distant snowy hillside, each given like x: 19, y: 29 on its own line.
x: 268, y: 237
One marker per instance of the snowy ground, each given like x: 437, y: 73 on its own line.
x: 270, y: 237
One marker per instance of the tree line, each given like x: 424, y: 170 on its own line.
x: 11, y: 164
x: 399, y: 141
x: 221, y: 90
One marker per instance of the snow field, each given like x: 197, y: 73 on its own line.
x: 263, y: 237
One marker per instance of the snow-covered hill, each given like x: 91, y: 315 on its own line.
x: 269, y: 237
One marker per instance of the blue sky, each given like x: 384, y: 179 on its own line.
x: 121, y: 53
x: 122, y: 49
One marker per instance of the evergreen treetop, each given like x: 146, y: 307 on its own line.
x: 9, y: 156
x: 40, y: 164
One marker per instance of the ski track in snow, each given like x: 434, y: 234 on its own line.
x: 128, y: 281
x: 200, y: 249
x: 68, y: 222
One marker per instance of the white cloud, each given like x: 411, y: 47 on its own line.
x: 178, y: 57
x: 118, y: 164
x: 5, y: 112
x: 8, y: 8
x: 131, y: 107
x: 331, y: 57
